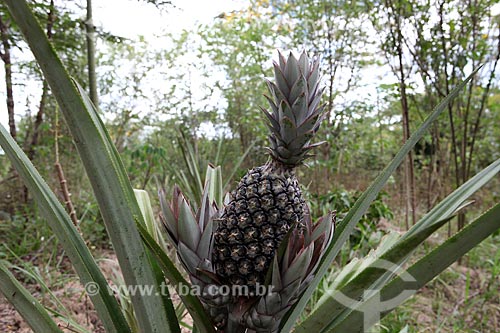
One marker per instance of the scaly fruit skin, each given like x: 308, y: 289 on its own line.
x: 268, y: 200
x: 292, y: 271
x: 266, y: 203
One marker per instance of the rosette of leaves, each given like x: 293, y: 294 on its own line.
x: 192, y: 237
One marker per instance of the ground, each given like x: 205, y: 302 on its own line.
x: 72, y: 296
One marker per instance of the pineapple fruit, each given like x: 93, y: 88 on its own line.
x: 267, y: 201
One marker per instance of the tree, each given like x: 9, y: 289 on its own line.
x: 390, y: 23
x: 456, y: 42
x: 239, y: 44
x: 433, y: 43
x: 336, y: 32
x: 5, y: 55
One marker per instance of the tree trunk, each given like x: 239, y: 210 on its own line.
x: 6, y: 58
x: 45, y: 91
x: 409, y: 171
x: 410, y: 202
x: 43, y: 100
x: 90, y: 30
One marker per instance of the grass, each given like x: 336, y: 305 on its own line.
x: 25, y: 236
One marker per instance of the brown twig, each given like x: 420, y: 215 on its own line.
x: 62, y: 179
x: 66, y: 194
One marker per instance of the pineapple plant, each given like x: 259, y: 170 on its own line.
x: 267, y: 201
x: 237, y: 245
x: 295, y: 270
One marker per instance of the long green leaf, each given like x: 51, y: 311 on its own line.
x: 454, y: 200
x: 330, y: 307
x: 144, y: 202
x: 363, y: 203
x: 30, y: 309
x: 104, y: 168
x: 152, y: 228
x: 192, y: 303
x: 423, y: 271
x: 214, y: 179
x: 371, y: 277
x: 65, y: 231
x: 193, y: 180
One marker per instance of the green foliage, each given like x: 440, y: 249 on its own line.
x: 146, y: 160
x: 94, y: 231
x: 240, y: 43
x: 472, y: 289
x: 341, y: 201
x: 34, y: 232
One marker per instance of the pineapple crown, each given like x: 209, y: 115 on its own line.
x: 295, y: 112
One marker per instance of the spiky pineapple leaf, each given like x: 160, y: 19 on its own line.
x: 104, y: 168
x: 188, y: 257
x: 314, y: 103
x: 276, y: 93
x: 363, y: 203
x: 371, y: 277
x: 168, y: 218
x: 297, y: 89
x: 281, y: 80
x: 62, y: 226
x: 281, y: 60
x: 214, y: 187
x: 147, y: 212
x: 291, y: 70
x: 422, y: 272
x: 175, y: 278
x: 313, y: 79
x: 188, y: 228
x: 303, y: 62
x: 298, y: 267
x: 300, y: 103
x: 152, y: 227
x: 204, y: 248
